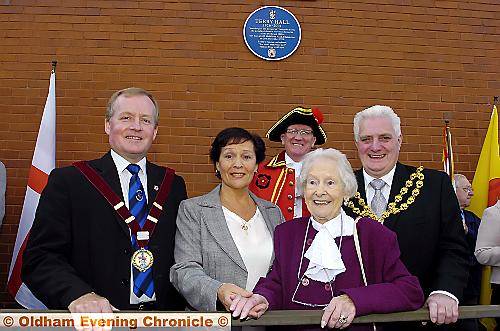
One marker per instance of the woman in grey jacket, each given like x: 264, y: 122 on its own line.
x: 224, y: 239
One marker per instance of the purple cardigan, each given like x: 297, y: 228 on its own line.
x: 390, y: 287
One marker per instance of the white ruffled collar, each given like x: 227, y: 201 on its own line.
x: 325, y: 259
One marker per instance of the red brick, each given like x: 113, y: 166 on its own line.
x: 428, y: 61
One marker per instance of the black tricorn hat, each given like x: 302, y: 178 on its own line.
x: 312, y: 117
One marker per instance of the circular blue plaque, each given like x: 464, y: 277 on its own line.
x: 272, y: 33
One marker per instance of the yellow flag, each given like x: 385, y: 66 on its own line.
x: 486, y: 185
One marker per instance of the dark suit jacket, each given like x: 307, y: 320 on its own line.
x: 473, y: 288
x: 78, y: 244
x: 430, y: 231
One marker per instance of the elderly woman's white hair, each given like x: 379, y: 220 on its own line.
x: 336, y: 159
x: 377, y: 111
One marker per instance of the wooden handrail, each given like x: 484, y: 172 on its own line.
x: 313, y: 317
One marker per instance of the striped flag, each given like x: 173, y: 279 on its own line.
x: 486, y: 185
x: 447, y: 151
x: 44, y: 159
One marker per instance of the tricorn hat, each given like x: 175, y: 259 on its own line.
x: 312, y: 117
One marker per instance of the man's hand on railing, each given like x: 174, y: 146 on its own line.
x: 339, y: 313
x: 91, y: 303
x: 442, y: 308
x: 252, y: 307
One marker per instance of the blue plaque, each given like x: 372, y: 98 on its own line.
x: 272, y: 33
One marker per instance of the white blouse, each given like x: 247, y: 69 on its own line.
x: 254, y: 243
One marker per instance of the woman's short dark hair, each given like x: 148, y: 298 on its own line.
x: 230, y: 136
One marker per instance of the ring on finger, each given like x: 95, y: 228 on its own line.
x: 342, y: 319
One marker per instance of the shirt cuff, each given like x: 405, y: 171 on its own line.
x: 445, y: 293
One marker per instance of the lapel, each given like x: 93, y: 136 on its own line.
x: 401, y: 175
x: 106, y: 168
x: 267, y: 212
x: 155, y: 177
x: 361, y: 183
x: 213, y: 216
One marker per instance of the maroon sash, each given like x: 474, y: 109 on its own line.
x: 117, y: 203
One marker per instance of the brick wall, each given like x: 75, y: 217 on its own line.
x: 427, y: 59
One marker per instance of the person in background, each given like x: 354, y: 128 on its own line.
x: 329, y: 260
x: 99, y: 241
x: 488, y: 248
x: 419, y: 205
x: 471, y: 223
x: 224, y: 238
x: 299, y: 131
x: 3, y: 184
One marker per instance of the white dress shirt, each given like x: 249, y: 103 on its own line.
x: 125, y: 175
x: 386, y: 190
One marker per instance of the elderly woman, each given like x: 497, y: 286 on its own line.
x: 329, y: 260
x: 223, y: 243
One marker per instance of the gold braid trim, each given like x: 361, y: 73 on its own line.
x: 364, y: 210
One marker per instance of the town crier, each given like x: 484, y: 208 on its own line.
x: 298, y: 131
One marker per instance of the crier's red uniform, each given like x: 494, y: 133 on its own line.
x: 276, y: 183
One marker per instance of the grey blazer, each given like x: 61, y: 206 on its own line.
x: 205, y: 253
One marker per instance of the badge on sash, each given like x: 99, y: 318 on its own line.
x: 142, y: 259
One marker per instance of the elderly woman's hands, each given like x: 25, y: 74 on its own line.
x: 339, y: 313
x: 227, y: 292
x: 254, y: 306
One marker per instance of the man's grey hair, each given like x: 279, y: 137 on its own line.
x: 129, y: 92
x: 377, y: 111
x: 334, y: 158
x: 456, y: 180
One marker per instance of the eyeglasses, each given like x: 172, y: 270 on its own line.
x: 468, y: 189
x: 303, y: 133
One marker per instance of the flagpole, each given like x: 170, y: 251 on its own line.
x: 54, y: 65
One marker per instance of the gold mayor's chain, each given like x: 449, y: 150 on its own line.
x: 392, y: 208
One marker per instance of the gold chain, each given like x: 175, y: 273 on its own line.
x: 392, y: 209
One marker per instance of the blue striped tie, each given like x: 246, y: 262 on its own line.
x: 143, y: 281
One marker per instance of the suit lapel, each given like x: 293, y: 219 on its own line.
x: 361, y: 183
x: 266, y: 214
x: 155, y: 177
x: 213, y: 216
x: 401, y: 175
x: 106, y: 168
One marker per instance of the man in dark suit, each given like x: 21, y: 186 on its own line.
x: 81, y: 255
x: 418, y: 204
x: 471, y: 222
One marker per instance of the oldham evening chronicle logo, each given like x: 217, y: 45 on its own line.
x: 272, y: 33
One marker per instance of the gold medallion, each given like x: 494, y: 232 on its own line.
x: 142, y: 259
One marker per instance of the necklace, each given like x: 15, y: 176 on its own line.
x: 363, y: 210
